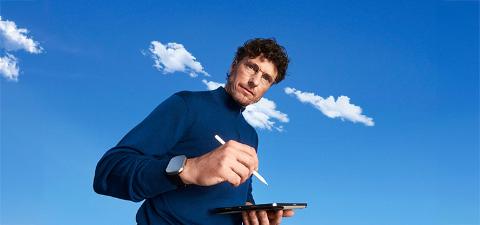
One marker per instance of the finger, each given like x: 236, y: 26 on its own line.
x: 243, y: 147
x: 272, y: 214
x: 249, y: 150
x: 275, y: 217
x: 245, y: 218
x: 252, y: 216
x: 262, y: 217
x: 247, y: 160
x: 231, y: 177
x: 288, y: 213
x: 241, y: 171
x: 239, y: 148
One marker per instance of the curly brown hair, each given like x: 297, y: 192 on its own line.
x: 270, y: 49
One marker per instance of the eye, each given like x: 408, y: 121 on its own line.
x: 250, y: 66
x: 267, y: 78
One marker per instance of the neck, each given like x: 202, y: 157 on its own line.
x: 229, y: 89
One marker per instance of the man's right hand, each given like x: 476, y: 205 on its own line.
x: 233, y: 162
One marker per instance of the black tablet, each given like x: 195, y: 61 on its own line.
x: 270, y: 206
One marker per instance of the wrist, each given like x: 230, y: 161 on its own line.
x: 186, y: 174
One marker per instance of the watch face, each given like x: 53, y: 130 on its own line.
x: 175, y: 166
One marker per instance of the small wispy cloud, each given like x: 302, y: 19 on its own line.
x: 8, y: 67
x: 173, y: 57
x: 332, y: 108
x: 211, y: 85
x: 261, y: 114
x: 13, y: 38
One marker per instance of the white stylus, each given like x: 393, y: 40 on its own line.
x: 219, y: 139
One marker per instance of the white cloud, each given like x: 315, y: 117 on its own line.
x: 332, y: 108
x: 173, y: 57
x: 8, y: 67
x: 260, y: 114
x: 212, y: 85
x: 13, y: 38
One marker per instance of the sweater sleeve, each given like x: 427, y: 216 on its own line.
x: 135, y: 168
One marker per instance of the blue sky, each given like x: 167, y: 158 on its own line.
x: 412, y: 67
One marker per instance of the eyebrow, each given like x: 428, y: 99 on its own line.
x: 270, y: 76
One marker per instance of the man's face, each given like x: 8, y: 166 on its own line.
x: 250, y: 79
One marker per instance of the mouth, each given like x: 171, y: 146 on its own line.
x: 247, y: 90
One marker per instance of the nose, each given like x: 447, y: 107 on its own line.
x: 254, y: 80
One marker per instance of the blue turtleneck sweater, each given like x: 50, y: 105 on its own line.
x: 184, y: 124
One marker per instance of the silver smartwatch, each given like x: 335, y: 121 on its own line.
x: 174, y: 168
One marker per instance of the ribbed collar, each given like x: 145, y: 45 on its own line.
x: 227, y: 100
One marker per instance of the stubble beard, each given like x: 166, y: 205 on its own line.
x: 237, y: 96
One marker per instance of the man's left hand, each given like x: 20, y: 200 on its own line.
x: 263, y: 217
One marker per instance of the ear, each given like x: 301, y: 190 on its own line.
x: 232, y: 67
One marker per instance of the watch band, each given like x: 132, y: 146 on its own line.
x: 175, y: 178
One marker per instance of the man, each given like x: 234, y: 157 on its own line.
x: 172, y: 160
